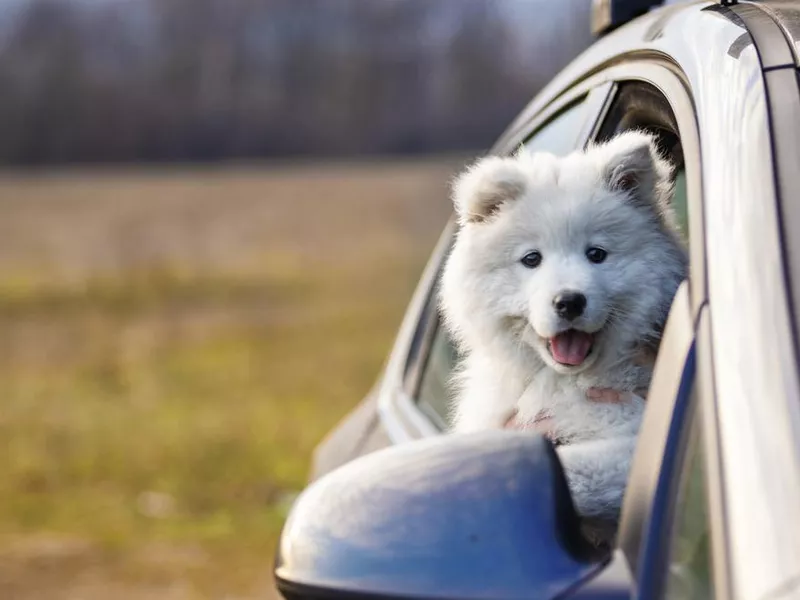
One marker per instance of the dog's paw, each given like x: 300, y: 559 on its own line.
x: 597, y: 473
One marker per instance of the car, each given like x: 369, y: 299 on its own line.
x: 712, y: 506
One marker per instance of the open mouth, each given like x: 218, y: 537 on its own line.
x: 571, y: 347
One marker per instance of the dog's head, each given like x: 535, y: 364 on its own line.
x: 570, y: 256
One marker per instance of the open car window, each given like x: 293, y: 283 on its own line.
x: 636, y: 105
x: 433, y: 390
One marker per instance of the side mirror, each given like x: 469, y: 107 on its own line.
x: 456, y: 517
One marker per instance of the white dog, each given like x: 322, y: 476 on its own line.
x: 558, y: 287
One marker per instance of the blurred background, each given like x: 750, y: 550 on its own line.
x: 212, y: 215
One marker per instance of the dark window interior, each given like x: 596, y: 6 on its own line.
x: 641, y: 106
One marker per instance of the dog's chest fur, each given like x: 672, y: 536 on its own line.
x: 562, y: 398
x: 572, y: 416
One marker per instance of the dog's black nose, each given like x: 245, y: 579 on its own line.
x: 569, y: 305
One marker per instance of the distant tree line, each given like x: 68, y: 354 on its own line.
x: 194, y: 80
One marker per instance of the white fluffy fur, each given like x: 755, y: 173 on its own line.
x: 615, y: 196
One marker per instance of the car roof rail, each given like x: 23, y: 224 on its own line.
x: 610, y: 14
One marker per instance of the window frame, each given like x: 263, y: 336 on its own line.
x: 600, y: 93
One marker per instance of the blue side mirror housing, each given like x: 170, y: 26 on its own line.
x: 478, y: 516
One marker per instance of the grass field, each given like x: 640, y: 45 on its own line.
x: 174, y: 343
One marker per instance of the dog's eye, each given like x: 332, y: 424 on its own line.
x: 596, y: 255
x: 531, y: 259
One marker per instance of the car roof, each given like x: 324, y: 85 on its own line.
x: 786, y: 14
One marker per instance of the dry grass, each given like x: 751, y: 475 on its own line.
x: 174, y: 344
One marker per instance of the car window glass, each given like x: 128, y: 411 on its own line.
x: 434, y: 389
x: 689, y: 575
x: 435, y: 384
x: 560, y: 135
x: 680, y: 202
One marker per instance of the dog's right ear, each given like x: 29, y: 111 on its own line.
x: 632, y: 164
x: 481, y: 190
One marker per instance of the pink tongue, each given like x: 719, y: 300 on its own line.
x: 571, y: 347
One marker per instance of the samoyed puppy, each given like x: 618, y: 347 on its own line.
x: 557, y: 290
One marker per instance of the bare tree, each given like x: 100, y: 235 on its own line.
x: 185, y: 80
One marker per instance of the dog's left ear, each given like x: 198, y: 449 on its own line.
x: 632, y: 164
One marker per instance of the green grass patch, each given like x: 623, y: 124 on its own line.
x: 162, y: 408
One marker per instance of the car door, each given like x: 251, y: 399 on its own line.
x: 712, y: 503
x: 657, y: 553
